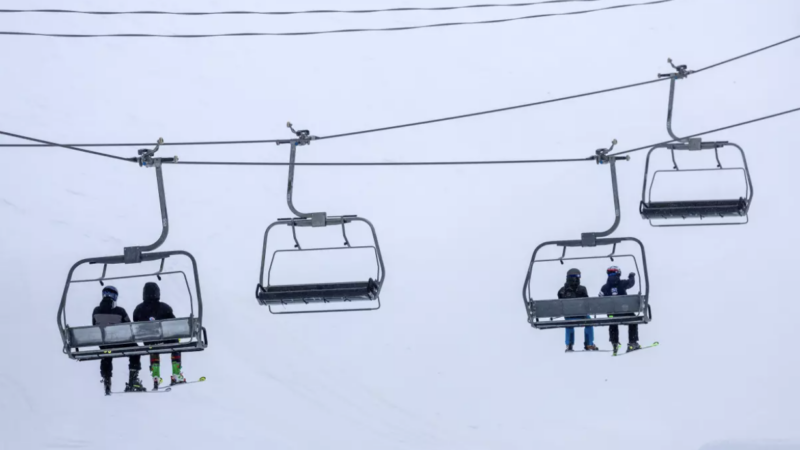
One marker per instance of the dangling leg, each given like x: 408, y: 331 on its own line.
x: 177, y: 376
x: 588, y: 338
x: 134, y: 383
x: 106, y: 367
x: 633, y: 338
x: 569, y: 339
x: 613, y: 335
x: 155, y: 369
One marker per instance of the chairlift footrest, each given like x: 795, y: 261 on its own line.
x: 318, y: 293
x: 694, y: 209
x: 598, y: 322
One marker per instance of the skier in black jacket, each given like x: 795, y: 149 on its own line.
x: 573, y: 289
x: 615, y: 286
x: 152, y: 308
x: 108, y: 313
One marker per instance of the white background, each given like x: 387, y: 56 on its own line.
x: 449, y: 362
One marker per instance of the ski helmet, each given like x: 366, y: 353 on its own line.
x: 110, y: 292
x: 613, y: 270
x: 151, y: 291
x: 573, y: 273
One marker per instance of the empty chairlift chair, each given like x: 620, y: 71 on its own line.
x: 317, y: 297
x: 591, y: 311
x: 127, y: 339
x: 732, y: 210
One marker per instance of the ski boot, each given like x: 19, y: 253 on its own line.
x: 590, y: 348
x: 107, y: 385
x: 633, y: 346
x: 177, y: 377
x: 134, y: 384
x: 615, y: 347
x: 569, y: 348
x: 155, y: 371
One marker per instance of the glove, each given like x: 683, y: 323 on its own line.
x: 631, y: 275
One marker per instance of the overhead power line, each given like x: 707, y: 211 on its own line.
x: 312, y: 33
x: 424, y: 122
x: 68, y: 147
x: 409, y: 163
x: 287, y: 13
x: 373, y: 130
x: 737, y: 125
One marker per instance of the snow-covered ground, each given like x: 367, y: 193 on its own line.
x: 449, y: 361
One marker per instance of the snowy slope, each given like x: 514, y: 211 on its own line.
x: 449, y: 362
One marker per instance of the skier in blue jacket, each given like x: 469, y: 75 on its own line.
x: 615, y: 286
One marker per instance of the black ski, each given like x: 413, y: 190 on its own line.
x: 144, y: 392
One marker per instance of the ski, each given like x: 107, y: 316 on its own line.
x: 201, y: 379
x: 654, y: 344
x: 143, y: 392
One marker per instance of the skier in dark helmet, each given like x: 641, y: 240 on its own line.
x: 108, y: 313
x: 573, y: 289
x: 615, y: 286
x: 152, y: 308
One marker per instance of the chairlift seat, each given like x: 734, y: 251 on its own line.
x: 125, y: 338
x: 134, y: 338
x: 592, y: 306
x: 694, y: 208
x: 318, y: 293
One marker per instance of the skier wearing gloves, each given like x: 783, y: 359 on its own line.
x: 615, y: 286
x: 108, y: 313
x: 152, y: 308
x: 573, y: 289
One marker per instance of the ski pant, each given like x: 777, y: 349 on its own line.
x: 107, y: 364
x: 633, y: 331
x: 155, y: 358
x: 588, y: 333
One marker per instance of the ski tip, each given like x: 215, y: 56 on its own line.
x: 202, y: 379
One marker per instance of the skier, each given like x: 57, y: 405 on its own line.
x: 573, y: 289
x: 152, y: 308
x: 108, y: 313
x: 615, y: 286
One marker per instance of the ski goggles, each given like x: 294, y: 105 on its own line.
x: 613, y: 272
x: 574, y: 275
x: 113, y: 295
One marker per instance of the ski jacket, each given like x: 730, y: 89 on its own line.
x: 152, y: 309
x: 108, y: 314
x: 616, y: 286
x: 568, y: 291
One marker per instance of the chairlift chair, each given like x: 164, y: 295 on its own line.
x: 80, y: 342
x: 316, y: 297
x: 694, y: 210
x: 548, y: 314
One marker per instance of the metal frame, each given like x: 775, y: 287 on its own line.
x: 593, y: 239
x: 197, y: 338
x: 271, y: 295
x: 693, y: 209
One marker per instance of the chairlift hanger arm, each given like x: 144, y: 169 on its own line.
x: 683, y: 143
x: 147, y: 159
x: 602, y: 157
x: 303, y: 138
